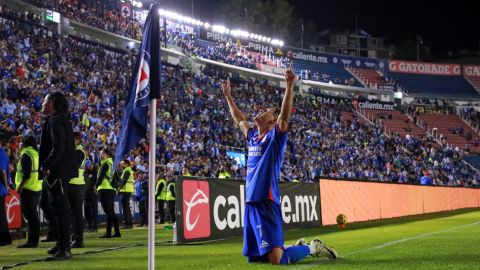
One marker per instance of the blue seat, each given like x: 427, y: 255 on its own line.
x: 473, y: 160
x: 336, y: 72
x: 434, y: 85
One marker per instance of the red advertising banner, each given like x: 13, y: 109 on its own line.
x: 13, y: 210
x: 362, y: 201
x: 424, y: 68
x: 471, y: 71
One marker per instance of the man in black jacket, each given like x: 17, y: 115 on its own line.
x: 91, y: 206
x: 59, y: 165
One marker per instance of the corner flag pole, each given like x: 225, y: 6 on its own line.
x: 151, y: 184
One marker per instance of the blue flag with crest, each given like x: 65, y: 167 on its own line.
x: 145, y: 86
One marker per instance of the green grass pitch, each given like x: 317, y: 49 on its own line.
x: 436, y: 241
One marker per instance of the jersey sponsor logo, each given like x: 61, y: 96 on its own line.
x: 13, y: 210
x: 255, y: 151
x: 196, y: 208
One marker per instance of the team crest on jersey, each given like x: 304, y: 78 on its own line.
x: 143, y: 78
x: 264, y: 139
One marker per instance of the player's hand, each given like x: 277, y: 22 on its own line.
x: 290, y: 77
x: 226, y: 88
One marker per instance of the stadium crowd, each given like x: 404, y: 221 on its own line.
x: 194, y: 132
x: 103, y: 15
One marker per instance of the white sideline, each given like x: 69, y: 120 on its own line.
x: 391, y: 243
x: 386, y: 244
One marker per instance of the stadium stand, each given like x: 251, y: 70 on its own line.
x: 434, y: 85
x: 194, y: 127
x: 368, y: 77
x: 473, y: 160
x: 325, y: 73
x: 474, y: 81
x: 451, y: 129
x: 100, y: 16
x: 395, y: 122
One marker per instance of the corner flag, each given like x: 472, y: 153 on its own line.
x: 145, y: 86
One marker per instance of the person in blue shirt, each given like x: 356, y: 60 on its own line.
x: 426, y: 180
x: 263, y: 234
x: 5, y: 238
x: 141, y: 195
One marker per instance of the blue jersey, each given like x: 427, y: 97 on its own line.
x: 265, y: 155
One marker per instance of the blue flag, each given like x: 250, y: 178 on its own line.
x: 145, y: 86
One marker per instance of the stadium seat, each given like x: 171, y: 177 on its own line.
x: 368, y: 77
x: 336, y: 73
x: 434, y: 85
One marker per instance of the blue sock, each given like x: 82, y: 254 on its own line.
x: 294, y: 254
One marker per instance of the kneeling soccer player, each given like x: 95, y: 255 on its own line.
x: 263, y: 235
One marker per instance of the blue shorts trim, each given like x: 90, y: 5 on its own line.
x: 263, y: 229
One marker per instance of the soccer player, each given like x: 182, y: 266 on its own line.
x: 263, y: 235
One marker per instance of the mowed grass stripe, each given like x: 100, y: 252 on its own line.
x: 421, y: 253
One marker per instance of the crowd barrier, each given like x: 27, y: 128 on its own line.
x: 209, y: 209
x: 362, y: 201
x: 14, y: 211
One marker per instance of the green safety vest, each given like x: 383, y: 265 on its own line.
x: 33, y: 183
x: 105, y: 184
x: 86, y: 120
x: 163, y: 192
x: 170, y: 196
x: 223, y: 175
x: 80, y: 180
x: 128, y: 187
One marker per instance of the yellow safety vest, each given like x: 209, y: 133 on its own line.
x: 33, y: 183
x: 163, y: 192
x: 128, y: 187
x: 223, y: 175
x: 170, y: 196
x: 86, y: 120
x: 105, y: 184
x: 80, y: 180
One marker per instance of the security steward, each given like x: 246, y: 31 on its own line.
x: 90, y: 200
x: 76, y: 195
x: 106, y: 190
x: 170, y: 198
x: 126, y: 190
x: 161, y: 195
x: 29, y: 187
x: 223, y: 173
x: 58, y: 164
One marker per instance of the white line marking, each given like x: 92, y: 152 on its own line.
x: 399, y: 241
x: 384, y: 245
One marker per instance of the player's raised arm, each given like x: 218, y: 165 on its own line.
x: 237, y: 114
x: 287, y: 102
